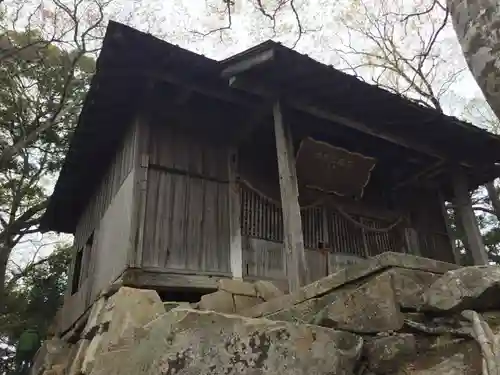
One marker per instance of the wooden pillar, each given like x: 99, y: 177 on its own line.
x: 465, y: 214
x: 292, y: 222
x: 327, y: 241
x: 412, y: 242
x: 449, y: 231
x: 235, y: 244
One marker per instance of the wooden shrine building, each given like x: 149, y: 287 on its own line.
x: 267, y: 165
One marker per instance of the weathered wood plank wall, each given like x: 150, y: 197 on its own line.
x: 118, y: 171
x: 114, y: 237
x: 187, y: 205
x: 103, y: 233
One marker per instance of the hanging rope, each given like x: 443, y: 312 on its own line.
x: 366, y: 227
x: 322, y: 200
x: 274, y: 201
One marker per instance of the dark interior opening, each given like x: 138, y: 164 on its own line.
x: 80, y: 272
x: 75, y: 282
x: 191, y: 296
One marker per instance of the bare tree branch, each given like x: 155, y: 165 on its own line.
x: 228, y: 5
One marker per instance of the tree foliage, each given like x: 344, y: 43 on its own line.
x: 47, y: 58
x: 32, y: 300
x: 45, y: 69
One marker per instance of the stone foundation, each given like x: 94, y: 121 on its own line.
x: 393, y: 314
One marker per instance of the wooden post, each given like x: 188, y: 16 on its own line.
x: 465, y: 213
x: 292, y: 222
x: 412, y: 243
x: 365, y: 242
x: 141, y: 169
x: 328, y: 244
x: 449, y: 231
x: 235, y: 247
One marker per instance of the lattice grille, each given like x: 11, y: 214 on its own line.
x: 313, y: 228
x: 379, y: 242
x: 344, y: 236
x: 262, y: 218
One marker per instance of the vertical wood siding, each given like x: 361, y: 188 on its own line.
x: 112, y: 239
x: 107, y: 257
x: 263, y: 259
x: 187, y: 223
x: 187, y: 204
x: 107, y: 217
x: 185, y: 150
x: 118, y: 171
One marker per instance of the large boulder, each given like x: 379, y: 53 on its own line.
x: 95, y: 318
x: 474, y: 288
x: 410, y: 286
x: 354, y: 274
x: 75, y: 368
x: 238, y: 287
x: 220, y: 301
x: 307, y: 311
x: 233, y: 296
x: 371, y: 308
x: 267, y: 290
x: 128, y: 309
x: 170, y: 305
x: 51, y: 353
x: 453, y: 358
x: 192, y: 342
x: 386, y: 354
x: 124, y: 312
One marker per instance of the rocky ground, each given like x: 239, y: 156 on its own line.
x: 392, y: 314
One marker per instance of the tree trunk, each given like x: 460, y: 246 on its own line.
x: 4, y: 257
x: 476, y: 26
x: 494, y: 199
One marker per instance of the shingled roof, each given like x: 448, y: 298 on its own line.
x: 130, y: 60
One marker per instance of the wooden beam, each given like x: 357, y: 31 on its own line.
x: 292, y: 223
x: 449, y: 231
x: 235, y: 242
x: 165, y: 281
x: 248, y: 63
x: 427, y: 170
x: 466, y: 215
x: 259, y: 89
x: 221, y: 93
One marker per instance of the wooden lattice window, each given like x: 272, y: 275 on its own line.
x: 260, y: 218
x: 344, y: 236
x: 313, y: 228
x: 378, y: 242
x: 322, y: 227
